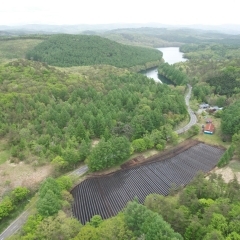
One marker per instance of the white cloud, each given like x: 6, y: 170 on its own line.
x: 106, y: 11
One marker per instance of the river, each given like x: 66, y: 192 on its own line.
x: 171, y: 55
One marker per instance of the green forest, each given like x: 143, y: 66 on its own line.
x: 205, y: 209
x: 83, y: 50
x: 61, y: 93
x: 47, y: 113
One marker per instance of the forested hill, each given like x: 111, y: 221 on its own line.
x: 46, y: 112
x: 82, y: 50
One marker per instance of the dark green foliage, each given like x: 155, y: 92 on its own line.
x: 227, y: 156
x: 49, y: 202
x: 84, y: 50
x: 173, y: 74
x: 194, y: 130
x: 227, y: 82
x: 135, y: 222
x: 212, y: 51
x: 201, y: 92
x: 142, y: 221
x: 205, y: 209
x: 109, y: 153
x: 230, y: 119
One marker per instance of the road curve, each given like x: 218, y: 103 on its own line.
x: 18, y: 223
x: 193, y: 117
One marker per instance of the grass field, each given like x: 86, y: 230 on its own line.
x: 235, y: 165
x: 14, y: 49
x: 214, y: 139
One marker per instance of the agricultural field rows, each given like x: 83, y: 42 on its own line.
x: 108, y: 195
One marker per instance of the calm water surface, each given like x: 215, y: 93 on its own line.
x: 171, y: 55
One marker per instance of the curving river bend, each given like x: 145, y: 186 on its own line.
x: 171, y: 55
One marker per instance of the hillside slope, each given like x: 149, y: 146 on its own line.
x: 82, y: 50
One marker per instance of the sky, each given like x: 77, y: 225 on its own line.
x: 173, y: 12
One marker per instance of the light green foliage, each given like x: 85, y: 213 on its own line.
x: 17, y: 46
x: 141, y: 220
x: 205, y: 209
x: 9, y: 203
x: 139, y: 145
x: 206, y: 202
x: 64, y: 182
x: 109, y: 153
x: 50, y: 113
x: 233, y: 236
x: 88, y: 232
x: 115, y: 228
x: 6, y: 206
x: 19, y: 194
x: 219, y: 223
x: 58, y: 227
x: 31, y: 225
x: 215, y: 234
x: 59, y: 163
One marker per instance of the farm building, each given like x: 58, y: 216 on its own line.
x: 209, y: 128
x: 204, y: 105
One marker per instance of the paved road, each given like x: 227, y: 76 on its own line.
x: 18, y: 223
x: 193, y: 117
x: 80, y: 171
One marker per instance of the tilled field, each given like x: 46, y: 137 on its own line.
x: 108, y: 195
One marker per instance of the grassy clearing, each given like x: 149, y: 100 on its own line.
x: 4, y: 152
x: 13, y: 49
x: 216, y: 138
x: 235, y: 165
x: 183, y: 123
x: 4, y: 156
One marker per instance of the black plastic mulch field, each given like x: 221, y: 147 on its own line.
x: 108, y: 195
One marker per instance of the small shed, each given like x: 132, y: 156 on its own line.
x: 209, y: 128
x: 208, y: 120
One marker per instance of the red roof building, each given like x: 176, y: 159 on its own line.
x: 209, y: 128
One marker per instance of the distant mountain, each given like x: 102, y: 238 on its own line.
x: 44, y: 28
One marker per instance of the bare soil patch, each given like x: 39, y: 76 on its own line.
x: 13, y: 175
x: 227, y: 172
